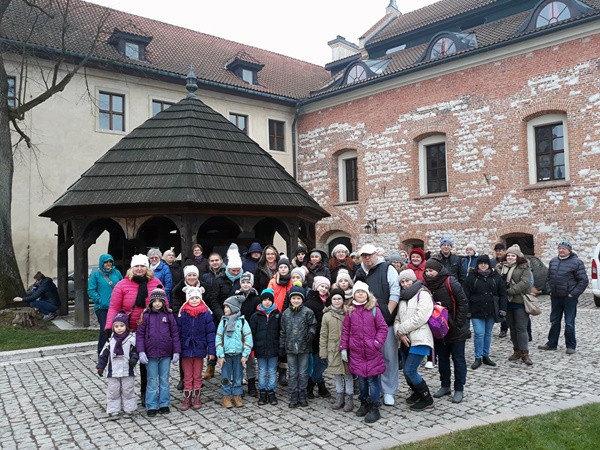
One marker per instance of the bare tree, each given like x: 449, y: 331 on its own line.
x: 20, y: 20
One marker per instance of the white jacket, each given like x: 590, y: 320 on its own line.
x: 412, y: 318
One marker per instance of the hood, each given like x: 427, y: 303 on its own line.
x: 254, y: 248
x: 103, y: 259
x: 371, y: 303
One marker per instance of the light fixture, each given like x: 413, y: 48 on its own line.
x: 371, y: 226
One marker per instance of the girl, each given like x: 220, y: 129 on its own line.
x: 329, y: 351
x: 317, y: 266
x: 363, y: 335
x: 158, y: 343
x: 340, y: 260
x: 281, y: 282
x: 197, y: 334
x: 345, y: 283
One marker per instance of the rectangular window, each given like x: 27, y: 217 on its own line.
x: 351, y: 173
x: 112, y: 111
x: 436, y: 168
x: 12, y: 95
x: 240, y: 121
x: 276, y: 135
x: 132, y: 50
x: 248, y: 76
x: 550, y: 152
x: 159, y: 106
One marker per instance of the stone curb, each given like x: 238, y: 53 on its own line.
x: 43, y: 352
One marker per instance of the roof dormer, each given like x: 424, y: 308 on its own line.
x: 132, y: 46
x: 245, y: 67
x: 549, y: 12
x: 446, y: 43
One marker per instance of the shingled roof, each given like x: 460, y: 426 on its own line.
x: 188, y: 156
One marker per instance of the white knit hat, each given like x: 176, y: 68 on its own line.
x: 234, y: 261
x: 190, y: 269
x: 140, y: 260
x: 360, y: 286
x: 193, y: 291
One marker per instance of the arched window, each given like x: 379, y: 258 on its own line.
x: 551, y: 13
x: 442, y: 47
x: 356, y: 73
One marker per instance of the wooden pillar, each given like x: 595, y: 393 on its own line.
x: 62, y: 269
x: 292, y: 240
x: 82, y: 309
x: 187, y: 238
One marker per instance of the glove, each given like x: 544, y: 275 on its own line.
x: 282, y: 351
x: 143, y: 358
x: 309, y: 338
x: 175, y: 358
x: 132, y: 362
x: 345, y: 355
x: 100, y: 373
x: 108, y: 334
x: 502, y: 313
x: 325, y: 361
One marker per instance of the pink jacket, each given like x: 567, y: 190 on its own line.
x: 363, y: 335
x: 123, y: 298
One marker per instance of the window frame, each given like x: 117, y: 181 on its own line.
x: 532, y: 125
x: 11, y: 100
x: 424, y: 144
x: 343, y: 176
x: 274, y: 138
x: 112, y: 113
x: 162, y: 104
x: 236, y: 115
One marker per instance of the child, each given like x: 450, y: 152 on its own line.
x: 265, y: 326
x: 233, y: 345
x: 249, y: 305
x: 158, y: 343
x: 281, y: 282
x: 344, y: 282
x: 298, y: 328
x: 299, y: 276
x: 363, y: 334
x: 120, y: 357
x: 329, y: 351
x: 197, y: 335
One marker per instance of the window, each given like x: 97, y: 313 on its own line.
x: 443, y: 47
x: 159, y: 106
x: 240, y: 121
x: 132, y: 50
x: 432, y: 165
x: 12, y: 94
x: 551, y: 13
x: 248, y: 76
x: 276, y: 135
x: 112, y: 112
x: 132, y: 46
x: 356, y: 73
x: 348, y: 176
x: 548, y: 148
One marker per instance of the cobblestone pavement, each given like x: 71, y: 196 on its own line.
x: 58, y: 402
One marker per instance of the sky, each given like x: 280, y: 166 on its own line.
x: 300, y: 29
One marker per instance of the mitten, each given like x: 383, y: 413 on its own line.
x: 175, y: 358
x: 325, y: 361
x: 345, y: 355
x: 502, y: 313
x: 143, y: 358
x: 100, y: 373
x: 132, y: 362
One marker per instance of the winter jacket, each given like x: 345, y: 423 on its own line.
x: 280, y: 291
x: 203, y: 266
x: 383, y: 283
x: 158, y: 335
x: 467, y: 263
x: 453, y: 265
x: 486, y: 295
x: 249, y: 264
x: 412, y: 318
x: 363, y: 334
x: 518, y: 282
x: 239, y: 342
x: 163, y: 273
x: 118, y: 365
x: 347, y: 265
x: 418, y: 270
x: 329, y: 342
x: 197, y: 335
x: 252, y: 300
x: 176, y: 272
x: 320, y: 270
x: 266, y: 331
x: 222, y: 289
x: 101, y: 284
x: 317, y: 306
x: 45, y: 292
x: 123, y: 298
x: 296, y: 324
x: 263, y: 275
x: 178, y: 297
x: 567, y: 276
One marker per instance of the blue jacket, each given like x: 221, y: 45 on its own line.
x: 163, y: 273
x: 197, y: 335
x: 567, y: 276
x: 99, y: 288
x: 239, y: 342
x: 468, y: 262
x: 158, y: 335
x: 46, y: 292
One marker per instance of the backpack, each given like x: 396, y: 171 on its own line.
x: 438, y: 321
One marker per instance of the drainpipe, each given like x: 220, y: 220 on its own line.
x: 294, y: 147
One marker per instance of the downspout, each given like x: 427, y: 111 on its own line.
x: 294, y: 146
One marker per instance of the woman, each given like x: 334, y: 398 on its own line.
x: 469, y: 261
x: 267, y: 267
x: 417, y: 262
x: 132, y: 295
x: 317, y: 267
x: 413, y: 332
x: 340, y: 259
x: 197, y: 259
x: 174, y: 265
x: 397, y: 261
x: 300, y: 259
x: 161, y: 270
x: 514, y: 270
x: 100, y: 288
x: 446, y: 290
x: 486, y: 292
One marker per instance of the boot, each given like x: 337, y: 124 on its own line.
x: 363, y: 409
x: 262, y: 399
x: 414, y: 397
x: 293, y: 399
x: 302, y: 402
x: 252, y: 392
x: 323, y: 391
x: 271, y: 397
x: 525, y: 357
x: 515, y: 356
x: 425, y: 399
x: 477, y: 363
x: 339, y: 401
x: 209, y: 372
x: 373, y: 414
x: 237, y: 401
x: 197, y: 404
x: 226, y: 401
x: 283, y: 377
x: 348, y: 403
x: 309, y: 390
x: 180, y: 385
x: 187, y: 400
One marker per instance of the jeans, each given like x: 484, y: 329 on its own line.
x: 482, y: 339
x: 101, y: 315
x: 517, y: 321
x: 368, y: 388
x: 297, y: 372
x: 568, y: 307
x: 344, y: 383
x: 410, y: 367
x: 389, y: 379
x: 44, y: 307
x: 267, y: 373
x: 457, y: 351
x: 158, y: 391
x: 318, y: 369
x: 232, y: 374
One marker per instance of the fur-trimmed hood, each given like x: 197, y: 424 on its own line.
x: 371, y: 303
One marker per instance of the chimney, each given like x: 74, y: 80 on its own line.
x: 341, y: 48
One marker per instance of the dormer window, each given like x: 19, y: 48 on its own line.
x: 132, y: 50
x: 447, y: 43
x: 442, y: 47
x: 245, y: 67
x: 248, y: 76
x: 130, y: 45
x: 551, y: 13
x: 356, y: 73
x: 548, y: 12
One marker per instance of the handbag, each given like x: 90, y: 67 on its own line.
x: 531, y: 305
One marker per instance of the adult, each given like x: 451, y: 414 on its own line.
x: 516, y: 274
x: 225, y: 284
x: 44, y: 297
x: 317, y: 266
x: 469, y: 261
x: 397, y: 261
x: 382, y: 280
x: 486, y: 293
x: 567, y: 279
x: 197, y: 259
x: 250, y: 263
x: 100, y: 287
x: 174, y: 265
x: 404, y: 256
x: 417, y: 262
x: 132, y: 295
x: 267, y: 267
x: 300, y: 258
x: 161, y: 270
x: 500, y: 252
x: 450, y: 261
x: 340, y: 259
x: 446, y: 290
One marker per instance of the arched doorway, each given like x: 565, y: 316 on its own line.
x: 157, y: 232
x: 339, y: 238
x: 217, y: 233
x: 409, y: 244
x: 524, y: 240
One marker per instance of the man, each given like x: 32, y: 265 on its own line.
x: 500, y: 251
x: 450, y: 261
x: 382, y: 279
x: 216, y: 269
x: 568, y: 279
x: 252, y: 257
x: 44, y: 297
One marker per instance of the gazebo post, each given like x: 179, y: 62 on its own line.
x: 82, y: 310
x: 62, y: 268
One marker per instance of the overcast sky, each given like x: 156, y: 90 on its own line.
x: 300, y: 29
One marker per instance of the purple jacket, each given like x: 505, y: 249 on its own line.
x: 363, y: 335
x: 158, y: 335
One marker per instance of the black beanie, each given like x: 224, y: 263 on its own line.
x: 435, y: 264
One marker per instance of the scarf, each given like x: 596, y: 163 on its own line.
x: 434, y: 283
x: 323, y: 299
x: 411, y: 291
x: 233, y: 278
x: 354, y: 302
x: 194, y: 311
x: 142, y: 294
x: 412, y: 265
x: 199, y: 259
x: 314, y: 267
x: 268, y: 310
x: 231, y: 320
x: 340, y: 311
x: 484, y: 273
x: 119, y: 338
x: 283, y: 280
x: 153, y: 267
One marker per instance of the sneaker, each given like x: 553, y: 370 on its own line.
x: 113, y: 416
x: 165, y: 410
x: 570, y: 351
x: 546, y: 347
x: 128, y: 415
x: 388, y: 399
x: 477, y: 363
x: 50, y: 316
x: 151, y: 413
x: 429, y: 365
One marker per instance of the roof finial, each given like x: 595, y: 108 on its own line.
x: 392, y: 6
x: 191, y: 84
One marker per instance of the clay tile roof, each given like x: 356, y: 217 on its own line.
x: 380, y: 22
x: 131, y: 28
x: 243, y: 56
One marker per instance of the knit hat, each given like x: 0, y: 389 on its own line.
x: 168, y: 253
x: 301, y: 250
x: 121, y: 317
x: 267, y: 293
x: 319, y: 281
x: 300, y: 272
x: 140, y: 260
x: 247, y: 276
x: 434, y: 264
x: 499, y: 246
x: 368, y: 249
x: 284, y: 261
x: 395, y: 256
x: 407, y: 274
x: 343, y: 274
x: 566, y: 244
x: 158, y: 294
x: 297, y: 290
x: 483, y: 259
x: 317, y: 252
x: 360, y: 286
x: 338, y: 248
x: 446, y: 240
x: 339, y: 292
x: 515, y: 250
x: 190, y: 269
x: 235, y: 303
x: 418, y: 251
x: 472, y: 246
x: 193, y: 291
x: 254, y: 248
x: 234, y: 261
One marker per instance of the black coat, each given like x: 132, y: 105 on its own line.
x: 486, y: 295
x: 315, y: 304
x: 176, y: 275
x: 265, y: 333
x: 222, y: 289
